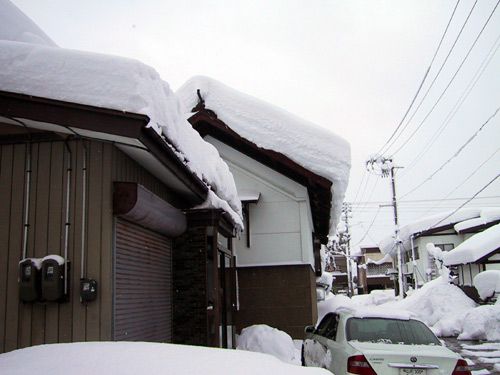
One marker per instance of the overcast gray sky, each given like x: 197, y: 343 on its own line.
x: 350, y: 66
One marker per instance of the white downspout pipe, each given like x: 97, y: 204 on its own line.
x: 27, y: 193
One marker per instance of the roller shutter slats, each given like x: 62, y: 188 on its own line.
x: 143, y: 284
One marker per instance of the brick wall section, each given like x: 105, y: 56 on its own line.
x: 189, y: 271
x: 282, y: 297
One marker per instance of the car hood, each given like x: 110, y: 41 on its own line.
x: 385, y: 358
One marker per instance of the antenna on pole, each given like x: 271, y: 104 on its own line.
x: 384, y: 167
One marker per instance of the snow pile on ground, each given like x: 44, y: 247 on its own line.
x: 442, y: 306
x: 121, y: 84
x: 475, y: 247
x: 18, y: 27
x: 132, y: 358
x: 264, y: 339
x: 333, y: 302
x: 482, y: 323
x: 307, y: 144
x: 487, y: 283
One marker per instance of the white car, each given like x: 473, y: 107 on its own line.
x: 349, y: 342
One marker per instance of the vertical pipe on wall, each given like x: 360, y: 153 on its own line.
x: 84, y: 212
x: 27, y: 192
x: 66, y: 221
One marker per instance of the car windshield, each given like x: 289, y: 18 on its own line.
x: 390, y: 331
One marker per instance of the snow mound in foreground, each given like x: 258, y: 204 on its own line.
x: 132, y: 358
x: 482, y: 323
x: 264, y: 339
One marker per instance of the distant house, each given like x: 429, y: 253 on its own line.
x: 373, y: 272
x: 480, y: 252
x: 445, y: 231
x: 287, y: 204
x: 107, y: 231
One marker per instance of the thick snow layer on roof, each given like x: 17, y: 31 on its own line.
x: 488, y: 215
x: 121, y: 84
x: 435, y: 221
x: 269, y: 127
x: 17, y: 26
x: 132, y: 358
x: 474, y: 248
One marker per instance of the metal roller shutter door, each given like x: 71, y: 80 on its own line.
x: 143, y: 284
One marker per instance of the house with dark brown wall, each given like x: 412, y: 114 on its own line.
x: 100, y: 190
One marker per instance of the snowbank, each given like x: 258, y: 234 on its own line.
x: 442, y: 306
x: 487, y: 283
x: 121, y: 84
x: 474, y: 248
x: 375, y: 298
x: 264, y: 339
x: 132, y: 358
x: 482, y: 323
x: 310, y: 146
x: 17, y: 26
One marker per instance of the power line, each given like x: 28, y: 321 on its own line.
x: 452, y: 157
x: 422, y: 81
x: 479, y: 72
x: 434, y: 200
x: 449, y: 83
x: 463, y: 204
x: 468, y: 178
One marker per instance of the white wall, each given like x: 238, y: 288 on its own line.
x: 280, y: 223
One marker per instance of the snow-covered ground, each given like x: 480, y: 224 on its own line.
x: 134, y: 358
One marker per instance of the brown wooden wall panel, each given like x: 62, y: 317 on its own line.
x: 37, y: 323
x: 143, y: 284
x: 13, y: 252
x: 283, y: 297
x: 6, y: 164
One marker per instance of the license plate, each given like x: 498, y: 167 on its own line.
x: 412, y: 371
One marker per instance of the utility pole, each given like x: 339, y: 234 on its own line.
x: 385, y: 167
x: 346, y: 211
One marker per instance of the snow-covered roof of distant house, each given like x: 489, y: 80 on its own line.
x: 476, y: 247
x: 428, y: 223
x: 122, y: 84
x: 310, y: 146
x: 487, y: 216
x: 18, y: 27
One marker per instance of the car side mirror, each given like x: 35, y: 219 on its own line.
x: 309, y: 329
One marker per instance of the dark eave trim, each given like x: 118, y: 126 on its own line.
x: 103, y: 120
x: 319, y: 188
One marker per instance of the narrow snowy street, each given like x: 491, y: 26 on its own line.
x: 481, y: 356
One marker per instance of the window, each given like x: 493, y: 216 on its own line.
x: 328, y: 326
x: 377, y: 269
x: 390, y: 331
x: 445, y: 246
x: 415, y: 250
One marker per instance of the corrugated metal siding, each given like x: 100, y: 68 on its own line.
x: 143, y: 284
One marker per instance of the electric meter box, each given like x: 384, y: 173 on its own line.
x: 29, y: 281
x: 52, y: 280
x: 88, y: 290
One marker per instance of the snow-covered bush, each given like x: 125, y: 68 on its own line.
x: 264, y: 339
x: 487, y: 283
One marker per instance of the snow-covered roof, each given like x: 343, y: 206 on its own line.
x: 488, y: 215
x: 122, y: 84
x: 312, y: 147
x: 17, y: 26
x: 474, y: 248
x: 427, y: 223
